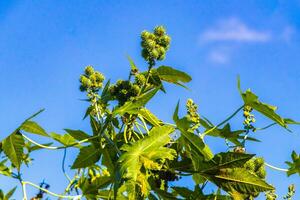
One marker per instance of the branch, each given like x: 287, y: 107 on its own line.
x: 276, y: 168
x: 49, y: 192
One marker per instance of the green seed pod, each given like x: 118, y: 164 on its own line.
x: 89, y: 70
x: 140, y: 79
x: 165, y: 41
x: 159, y: 31
x: 145, y: 35
x: 145, y: 54
x: 154, y: 53
x: 261, y: 172
x: 259, y: 161
x: 85, y: 82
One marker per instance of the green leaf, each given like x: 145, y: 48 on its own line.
x: 90, y: 188
x: 107, y: 161
x: 35, y: 114
x: 133, y: 67
x: 4, y: 170
x: 294, y: 166
x: 195, y: 142
x: 267, y: 110
x: 228, y: 160
x: 237, y: 179
x: 65, y: 139
x: 33, y: 127
x: 77, y: 134
x: 35, y: 147
x: 132, y: 106
x: 172, y: 75
x: 13, y: 148
x: 87, y: 156
x: 147, y: 151
x: 149, y: 117
x: 10, y: 193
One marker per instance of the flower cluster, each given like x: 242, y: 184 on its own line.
x: 291, y: 192
x: 249, y: 118
x: 192, y: 114
x: 91, y: 80
x: 155, y: 44
x: 124, y: 91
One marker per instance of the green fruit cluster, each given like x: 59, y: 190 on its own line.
x: 249, y: 118
x: 91, y: 80
x: 291, y: 192
x: 123, y: 91
x: 256, y: 166
x: 192, y: 113
x: 155, y: 44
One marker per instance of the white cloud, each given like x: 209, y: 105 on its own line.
x: 218, y: 57
x: 233, y: 29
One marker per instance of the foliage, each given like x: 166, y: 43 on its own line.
x: 132, y: 154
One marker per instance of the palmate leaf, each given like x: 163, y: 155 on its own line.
x: 65, y: 139
x: 147, y: 151
x: 267, y: 110
x: 294, y: 166
x: 77, y: 134
x: 13, y: 148
x: 188, y: 194
x: 226, y: 133
x: 90, y: 188
x: 172, y: 75
x: 195, y: 142
x: 132, y: 106
x: 4, y: 170
x: 237, y: 179
x: 149, y: 117
x: 230, y: 160
x: 33, y: 127
x: 87, y: 156
x: 8, y: 195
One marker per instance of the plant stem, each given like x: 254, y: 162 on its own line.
x: 231, y: 116
x: 125, y: 136
x: 147, y: 79
x: 276, y: 168
x: 49, y: 192
x: 145, y: 125
x: 140, y: 131
x: 63, y: 166
x: 208, y: 131
x: 24, y: 190
x: 59, y: 147
x: 263, y: 128
x: 102, y: 131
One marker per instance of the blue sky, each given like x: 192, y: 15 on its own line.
x: 44, y: 46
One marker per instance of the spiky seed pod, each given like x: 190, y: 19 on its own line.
x: 155, y: 44
x: 85, y: 83
x: 89, y: 70
x: 91, y: 81
x: 122, y: 91
x: 159, y: 31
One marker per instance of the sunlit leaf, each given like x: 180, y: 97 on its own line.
x: 33, y: 127
x: 132, y: 106
x: 87, y: 156
x: 172, y: 75
x: 237, y: 179
x: 13, y: 148
x: 294, y: 166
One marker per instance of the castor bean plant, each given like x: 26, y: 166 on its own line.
x: 132, y: 154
